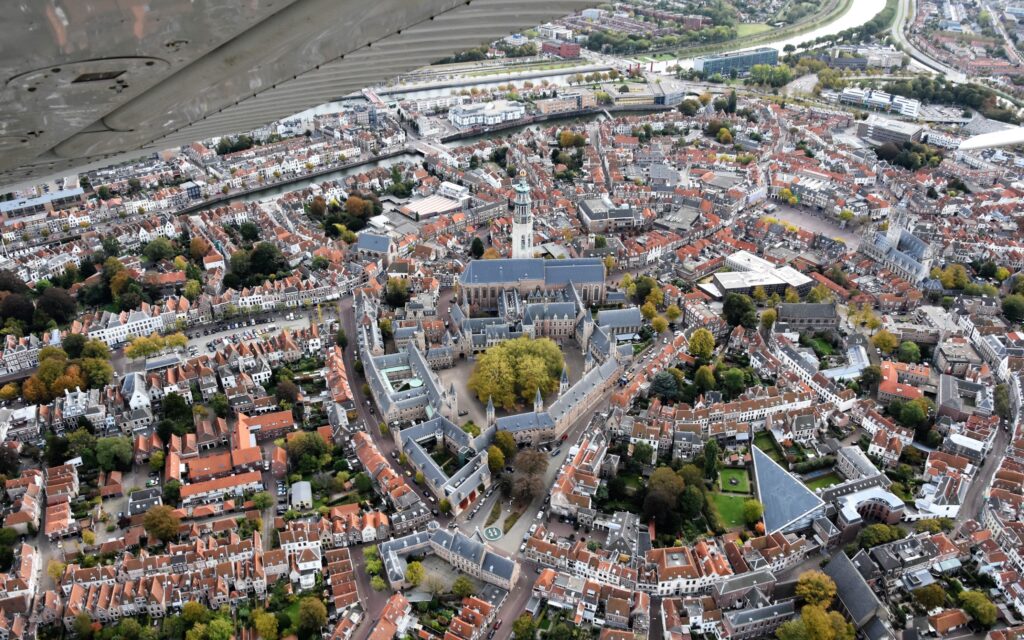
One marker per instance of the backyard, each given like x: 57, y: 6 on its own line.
x: 735, y: 481
x: 766, y: 443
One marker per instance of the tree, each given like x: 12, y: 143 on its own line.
x: 495, y: 459
x: 445, y: 506
x: 287, y: 391
x: 172, y: 492
x: 161, y: 523
x: 739, y: 309
x: 704, y: 378
x: 648, y: 310
x: 198, y: 248
x: 820, y: 293
x: 156, y: 461
x: 262, y: 500
x: 1001, y: 395
x: 341, y: 339
x: 711, y: 461
x: 884, y: 341
x: 265, y: 624
x: 55, y: 569
x: 397, y: 292
x: 219, y: 404
x: 752, y: 512
x: 876, y: 534
x: 504, y: 441
x: 525, y: 627
x: 414, y: 573
x: 82, y: 626
x: 1013, y: 307
x: 377, y: 583
x: 979, y: 607
x: 515, y: 370
x: 463, y: 587
x: 673, y: 313
x: 9, y: 391
x: 816, y: 588
x: 659, y: 325
x: 192, y: 289
x: 476, y: 248
x: 768, y: 318
x: 909, y: 352
x: 219, y: 629
x: 114, y: 453
x: 930, y: 597
x: 312, y: 616
x: 158, y: 249
x: 58, y: 304
x: 815, y: 623
x: 702, y: 344
x: 870, y: 376
x: 665, y: 386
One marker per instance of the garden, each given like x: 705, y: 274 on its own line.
x: 734, y: 481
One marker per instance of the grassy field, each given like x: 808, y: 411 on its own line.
x: 821, y: 347
x: 764, y: 442
x: 751, y: 28
x: 826, y: 480
x: 742, y: 480
x: 730, y: 508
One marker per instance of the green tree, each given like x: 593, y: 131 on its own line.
x: 704, y: 378
x: 1013, y: 307
x: 262, y: 500
x: 659, y: 325
x: 876, y: 534
x: 463, y: 587
x: 341, y: 339
x: 648, y: 310
x: 673, y: 313
x: 114, y: 453
x: 193, y: 612
x: 711, y: 461
x: 734, y: 382
x: 909, y: 352
x: 445, y: 506
x: 156, y: 461
x: 1003, y: 407
x: 768, y: 318
x: 752, y: 512
x: 870, y: 376
x: 702, y: 344
x: 820, y: 293
x: 979, y: 607
x: 476, y: 248
x: 312, y: 616
x: 495, y: 459
x: 161, y: 523
x: 414, y: 573
x: 884, y: 341
x: 739, y: 309
x: 192, y: 289
x: 172, y: 492
x: 504, y: 441
x: 265, y: 624
x: 525, y: 627
x: 816, y: 588
x: 515, y: 369
x: 930, y: 597
x: 397, y: 293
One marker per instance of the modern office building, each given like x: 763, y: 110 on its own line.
x: 740, y: 61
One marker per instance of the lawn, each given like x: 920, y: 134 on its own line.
x: 730, y: 508
x: 751, y: 28
x: 764, y: 442
x: 741, y: 477
x: 821, y: 348
x: 826, y: 480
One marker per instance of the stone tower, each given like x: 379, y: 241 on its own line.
x: 538, y: 402
x: 522, y: 220
x: 490, y: 411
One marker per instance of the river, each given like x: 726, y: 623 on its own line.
x: 273, y: 193
x: 860, y: 11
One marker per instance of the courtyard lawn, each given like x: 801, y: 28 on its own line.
x: 764, y: 442
x: 730, y: 508
x: 821, y: 348
x: 742, y: 484
x: 826, y: 480
x: 751, y: 28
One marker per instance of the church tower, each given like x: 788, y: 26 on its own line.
x: 563, y: 384
x: 490, y: 411
x: 522, y: 220
x: 538, y: 402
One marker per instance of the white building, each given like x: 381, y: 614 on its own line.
x: 486, y: 113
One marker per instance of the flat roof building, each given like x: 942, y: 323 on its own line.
x: 741, y: 61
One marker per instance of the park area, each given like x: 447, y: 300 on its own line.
x: 734, y: 481
x: 748, y: 29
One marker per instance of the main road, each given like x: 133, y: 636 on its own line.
x: 906, y: 9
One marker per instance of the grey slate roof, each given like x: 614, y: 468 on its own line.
x: 551, y: 272
x: 373, y: 242
x: 853, y: 591
x: 785, y: 498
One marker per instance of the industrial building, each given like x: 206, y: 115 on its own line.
x: 740, y: 61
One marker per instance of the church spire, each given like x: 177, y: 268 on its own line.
x: 538, y: 402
